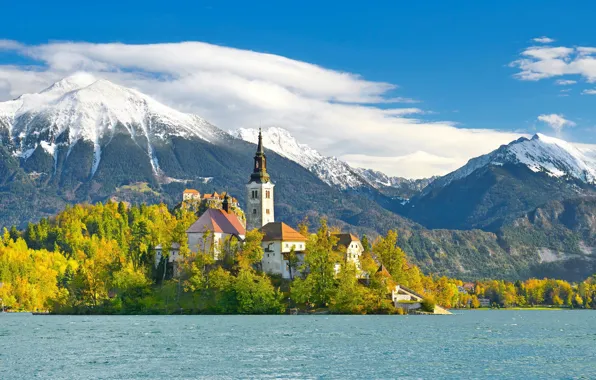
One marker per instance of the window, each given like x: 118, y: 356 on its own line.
x: 254, y: 194
x: 254, y: 211
x: 267, y: 212
x: 268, y: 194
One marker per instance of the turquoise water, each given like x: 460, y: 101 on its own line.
x: 474, y: 344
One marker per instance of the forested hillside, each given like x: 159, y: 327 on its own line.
x: 101, y: 259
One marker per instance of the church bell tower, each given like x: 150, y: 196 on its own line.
x: 259, y: 192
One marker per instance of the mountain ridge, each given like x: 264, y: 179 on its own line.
x: 330, y: 169
x: 155, y: 164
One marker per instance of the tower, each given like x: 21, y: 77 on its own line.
x: 259, y: 192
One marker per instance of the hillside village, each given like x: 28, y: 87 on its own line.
x: 222, y: 223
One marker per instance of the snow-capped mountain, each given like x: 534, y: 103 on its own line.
x: 85, y: 139
x: 541, y: 153
x: 84, y: 108
x: 404, y: 187
x: 330, y: 170
x: 513, y: 180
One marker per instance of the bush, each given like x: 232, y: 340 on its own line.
x: 428, y: 305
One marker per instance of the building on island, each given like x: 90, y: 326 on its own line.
x: 172, y: 257
x: 351, y: 248
x: 279, y: 242
x: 259, y: 192
x: 190, y: 194
x: 216, y: 227
x: 213, y: 200
x: 222, y: 222
x: 211, y: 233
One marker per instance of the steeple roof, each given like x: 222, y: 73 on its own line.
x: 259, y: 173
x: 260, y: 143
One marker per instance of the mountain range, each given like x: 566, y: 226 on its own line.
x: 525, y: 209
x: 332, y: 170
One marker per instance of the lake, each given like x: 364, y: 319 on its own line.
x: 471, y: 344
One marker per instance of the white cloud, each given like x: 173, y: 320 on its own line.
x: 10, y: 45
x: 556, y: 121
x: 408, y: 163
x: 540, y: 62
x: 543, y: 40
x: 589, y: 92
x: 335, y: 112
x: 565, y: 82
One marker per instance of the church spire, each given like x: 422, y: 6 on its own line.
x: 259, y: 173
x: 260, y: 144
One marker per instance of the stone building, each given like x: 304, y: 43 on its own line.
x: 259, y: 192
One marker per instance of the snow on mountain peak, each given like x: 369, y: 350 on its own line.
x: 541, y: 153
x: 283, y: 143
x: 70, y: 83
x: 91, y: 108
x: 556, y: 157
x: 330, y: 170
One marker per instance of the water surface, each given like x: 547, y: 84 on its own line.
x: 474, y: 344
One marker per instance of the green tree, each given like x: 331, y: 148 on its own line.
x: 319, y: 285
x: 255, y: 294
x: 349, y: 298
x: 391, y: 256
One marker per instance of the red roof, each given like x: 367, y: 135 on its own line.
x: 191, y: 191
x: 216, y: 220
x: 280, y: 231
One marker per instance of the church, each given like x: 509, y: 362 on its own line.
x: 284, y: 247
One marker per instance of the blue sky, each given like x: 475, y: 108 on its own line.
x: 452, y: 57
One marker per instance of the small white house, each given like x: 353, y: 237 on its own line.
x: 351, y: 247
x: 278, y: 241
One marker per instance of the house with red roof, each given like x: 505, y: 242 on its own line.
x: 190, y: 194
x: 215, y: 229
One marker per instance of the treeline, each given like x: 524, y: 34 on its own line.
x: 101, y: 259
